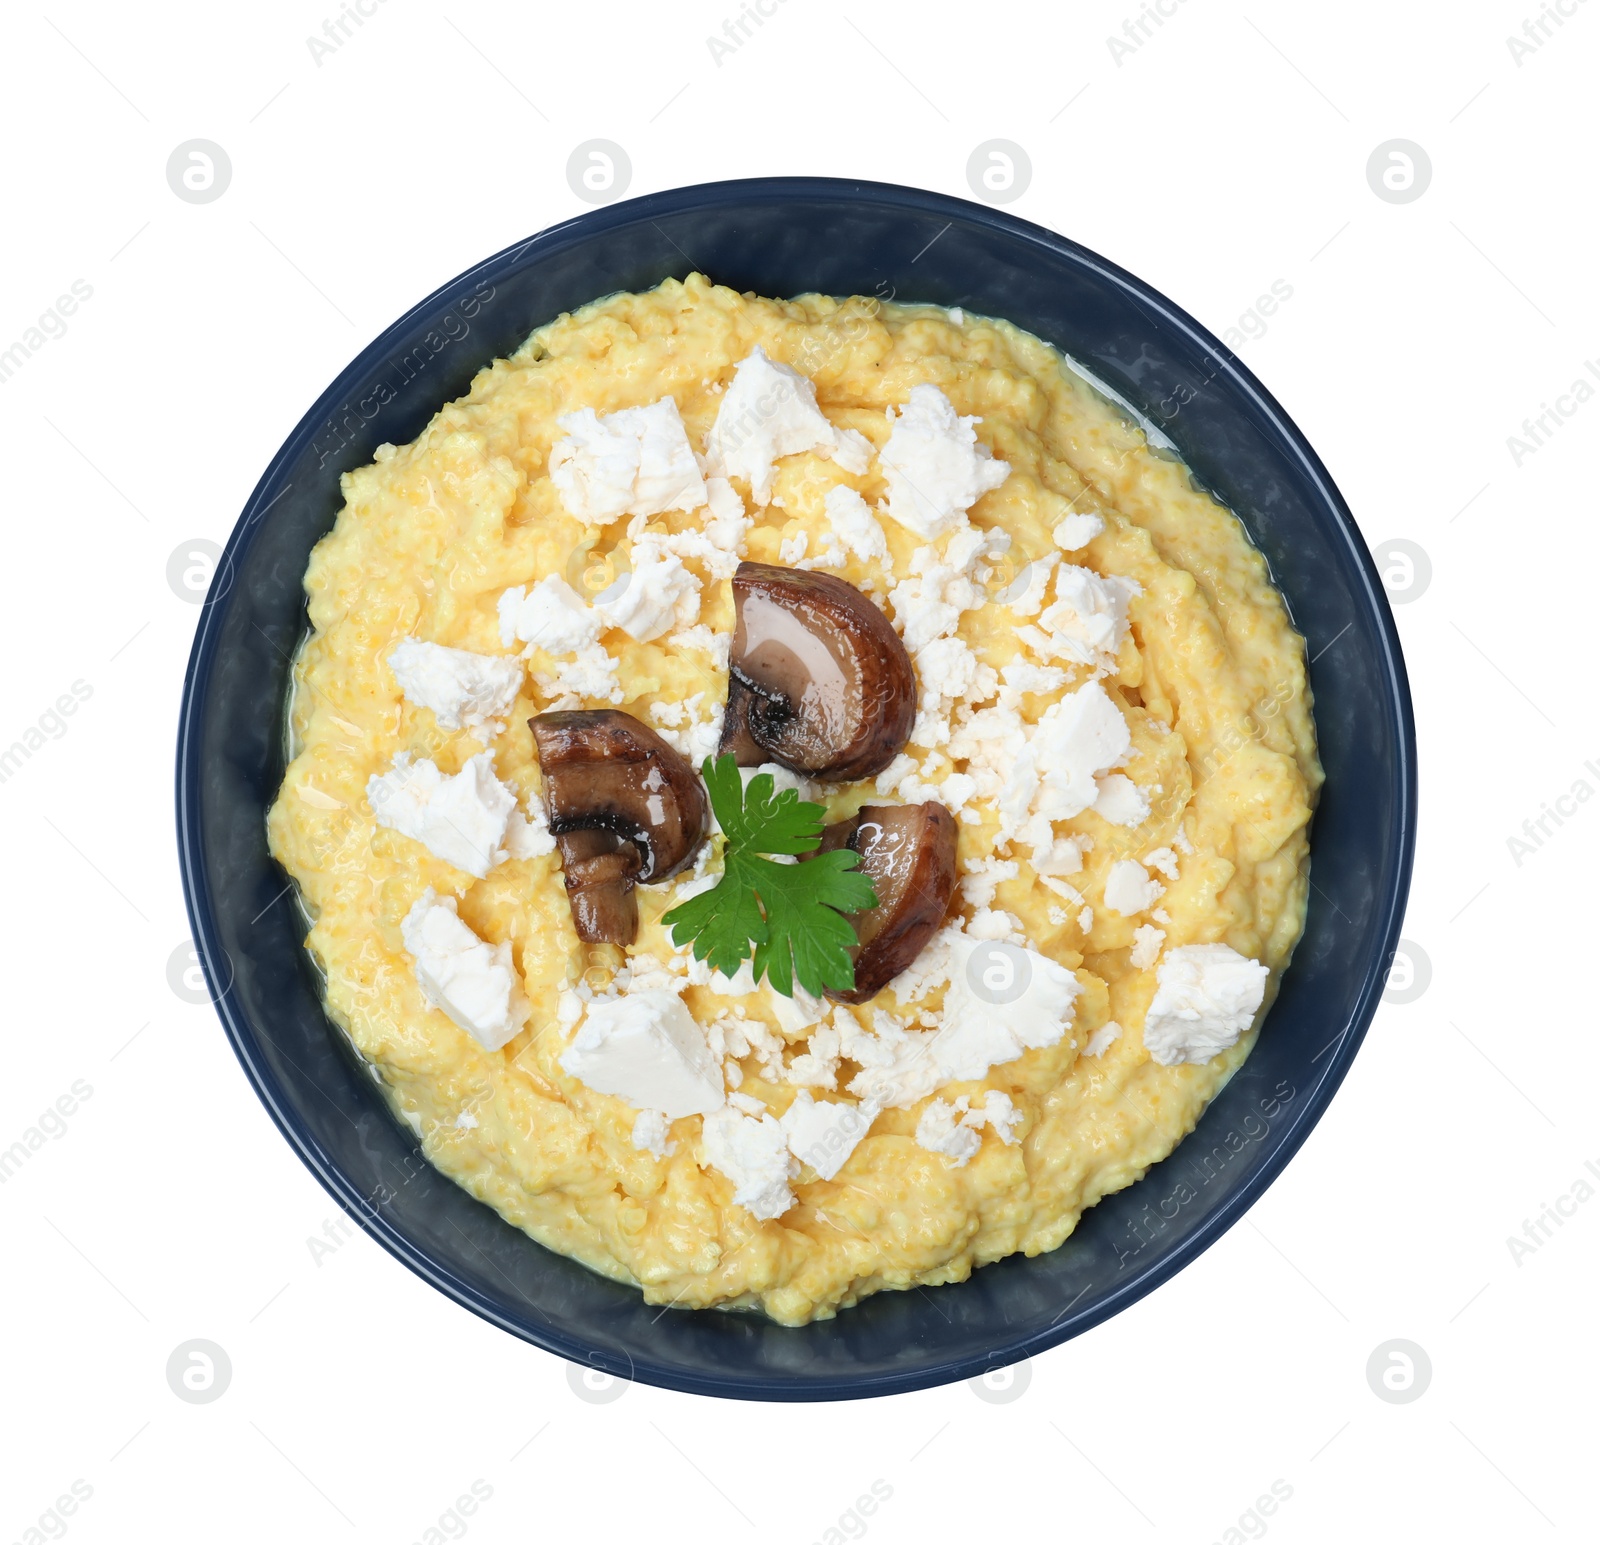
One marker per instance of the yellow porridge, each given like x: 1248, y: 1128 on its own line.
x: 1039, y: 630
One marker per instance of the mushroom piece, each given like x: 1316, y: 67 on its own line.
x: 819, y: 682
x: 909, y: 852
x: 625, y: 810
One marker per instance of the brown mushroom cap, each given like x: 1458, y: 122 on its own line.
x: 909, y: 852
x: 625, y: 810
x: 819, y: 682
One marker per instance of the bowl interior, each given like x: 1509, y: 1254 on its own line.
x: 787, y: 237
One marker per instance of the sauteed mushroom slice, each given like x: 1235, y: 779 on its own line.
x: 909, y: 852
x: 819, y: 681
x: 625, y: 809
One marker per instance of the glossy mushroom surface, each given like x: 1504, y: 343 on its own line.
x: 625, y: 810
x: 819, y: 681
x: 909, y: 853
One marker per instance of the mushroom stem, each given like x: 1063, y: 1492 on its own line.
x: 625, y: 809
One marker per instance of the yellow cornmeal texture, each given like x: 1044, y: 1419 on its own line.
x: 1211, y: 681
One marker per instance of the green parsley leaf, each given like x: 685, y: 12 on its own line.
x: 793, y: 914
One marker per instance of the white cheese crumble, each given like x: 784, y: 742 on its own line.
x: 693, y: 728
x: 935, y: 465
x: 824, y: 1133
x: 650, y: 1134
x: 948, y: 672
x: 718, y: 645
x: 462, y: 819
x: 475, y: 983
x: 770, y: 411
x: 818, y: 1066
x: 637, y: 461
x: 1025, y: 594
x: 1147, y: 942
x: 551, y: 616
x: 646, y: 1048
x: 974, y: 1029
x: 461, y: 688
x: 1077, y: 531
x: 658, y: 593
x: 1129, y: 889
x: 1206, y: 997
x: 753, y: 1152
x: 953, y: 1128
x: 1087, y: 621
x: 1121, y: 801
x: 1052, y: 772
x: 854, y: 525
x: 1164, y: 860
x: 1103, y: 1039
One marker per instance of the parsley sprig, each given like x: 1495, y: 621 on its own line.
x: 792, y: 913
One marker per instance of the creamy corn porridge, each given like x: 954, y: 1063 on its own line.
x: 1108, y: 724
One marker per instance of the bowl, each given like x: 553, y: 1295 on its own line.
x: 784, y: 237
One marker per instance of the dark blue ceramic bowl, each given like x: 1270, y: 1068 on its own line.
x: 788, y: 236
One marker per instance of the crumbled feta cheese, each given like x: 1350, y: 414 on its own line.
x: 975, y: 1031
x: 990, y: 924
x: 637, y: 461
x: 797, y: 1013
x: 1121, y: 801
x: 940, y: 1130
x: 1052, y: 775
x: 684, y: 728
x: 948, y: 672
x: 1206, y: 997
x: 1103, y: 1038
x: 1181, y: 841
x: 1129, y: 889
x: 935, y: 465
x: 824, y: 1133
x: 818, y: 1066
x: 854, y: 524
x: 983, y: 877
x: 1160, y: 916
x: 646, y: 1048
x: 463, y: 689
x: 748, y: 1103
x: 953, y: 1129
x: 462, y: 819
x: 1063, y: 856
x: 1025, y: 594
x: 657, y: 594
x: 1057, y: 916
x: 768, y: 412
x: 1077, y: 531
x: 650, y: 1134
x: 552, y: 616
x: 853, y: 451
x: 465, y: 1120
x: 473, y: 982
x: 1086, y: 920
x: 1147, y: 942
x: 754, y: 1154
x: 1163, y: 860
x: 590, y: 675
x: 1087, y: 621
x: 999, y: 1113
x: 782, y: 778
x: 717, y: 645
x: 793, y: 548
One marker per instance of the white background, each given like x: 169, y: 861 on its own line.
x: 1226, y: 152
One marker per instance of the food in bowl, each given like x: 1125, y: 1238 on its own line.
x: 794, y: 798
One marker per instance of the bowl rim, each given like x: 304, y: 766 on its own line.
x: 242, y: 1034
